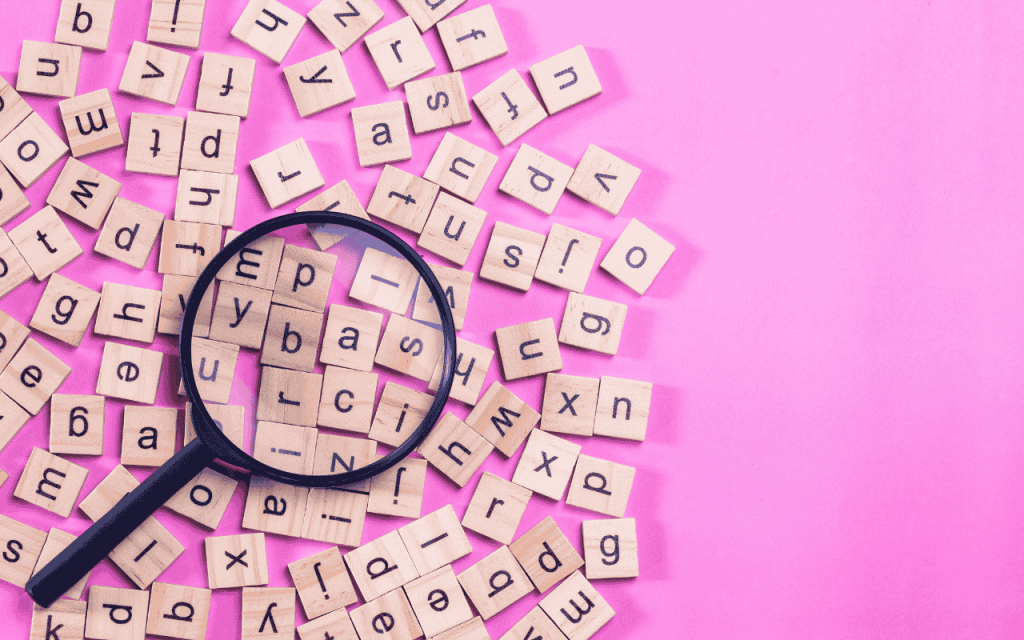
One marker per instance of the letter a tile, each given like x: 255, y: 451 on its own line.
x: 495, y: 583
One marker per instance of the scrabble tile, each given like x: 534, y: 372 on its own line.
x: 23, y: 545
x: 240, y: 316
x: 381, y: 566
x: 495, y: 583
x: 304, y: 280
x: 274, y: 507
x: 176, y: 22
x: 119, y: 614
x: 32, y: 376
x: 12, y: 200
x: 438, y: 601
x: 146, y: 553
x: 65, y: 310
x: 435, y: 540
x: 399, y: 413
x: 497, y: 508
x: 512, y: 256
x: 410, y: 347
x: 83, y: 193
x: 85, y: 23
x: 452, y: 229
x: 592, y: 323
x: 601, y: 485
x: 128, y: 312
x: 546, y: 464
x: 528, y: 349
x: 3, y: 478
x: 204, y: 499
x: 149, y: 436
x: 110, y: 490
x: 622, y: 408
x: 284, y: 446
x: 268, y: 27
x: 154, y: 72
x: 536, y: 178
x: 389, y: 617
x: 471, y: 365
x: 13, y: 109
x: 437, y: 102
x: 14, y: 271
x: 535, y: 624
x: 566, y: 79
x: 503, y: 419
x: 384, y: 280
x: 31, y: 149
x: 570, y: 404
x: 399, y: 490
x: 343, y: 22
x: 225, y: 84
x: 207, y: 197
x: 382, y: 134
x: 341, y: 454
x: 456, y: 285
x: 291, y: 340
x: 178, y: 611
x: 546, y: 554
x: 603, y: 180
x: 77, y: 424
x: 12, y: 335
x: 173, y: 298
x: 187, y: 247
x: 336, y: 625
x: 427, y: 13
x: 454, y: 449
x: 66, y: 617
x: 268, y: 614
x: 49, y: 69
x: 45, y: 242
x: 90, y: 123
x: 473, y: 629
x: 213, y: 365
x: 319, y: 83
x: 230, y: 419
x: 57, y: 541
x: 335, y: 515
x: 509, y: 107
x: 399, y: 52
x: 568, y: 258
x: 340, y: 199
x: 637, y: 256
x: 402, y: 199
x: 12, y: 419
x: 236, y: 561
x: 288, y: 396
x: 322, y: 583
x: 577, y: 608
x: 287, y: 173
x: 50, y: 482
x: 129, y: 373
x: 154, y: 144
x: 351, y: 337
x: 129, y: 233
x: 347, y: 399
x: 256, y: 264
x: 610, y: 548
x: 460, y: 167
x: 211, y: 142
x: 472, y: 37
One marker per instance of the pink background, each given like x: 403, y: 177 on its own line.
x: 835, y: 436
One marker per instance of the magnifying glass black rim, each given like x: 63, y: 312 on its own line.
x: 228, y: 451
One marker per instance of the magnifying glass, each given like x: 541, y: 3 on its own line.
x: 263, y: 343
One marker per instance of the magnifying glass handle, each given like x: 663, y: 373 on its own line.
x: 70, y: 565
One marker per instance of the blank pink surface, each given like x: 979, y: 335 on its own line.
x: 835, y: 447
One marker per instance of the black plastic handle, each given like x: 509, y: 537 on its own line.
x: 70, y: 565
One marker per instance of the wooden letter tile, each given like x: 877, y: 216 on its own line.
x: 340, y: 199
x: 256, y: 264
x: 149, y: 436
x: 455, y: 450
x: 288, y: 396
x: 336, y: 625
x: 438, y: 601
x: 384, y: 280
x: 535, y: 624
x: 546, y: 554
x: 546, y: 464
x: 437, y: 102
x: 270, y: 28
x: 536, y: 178
x: 236, y: 561
x: 31, y: 149
x: 177, y: 611
x: 610, y: 547
x: 602, y: 179
x: 65, y: 310
x: 110, y: 490
x: 128, y: 373
x: 343, y: 22
x: 336, y: 515
x: 460, y: 167
x: 287, y: 173
x: 319, y: 83
x: 389, y: 617
x: 471, y: 365
x: 12, y: 335
x: 225, y: 84
x: 116, y: 613
x: 435, y: 540
x: 495, y: 583
x: 240, y: 316
x: 12, y: 419
x: 503, y: 419
x: 274, y: 507
x: 268, y: 614
x: 452, y: 228
x: 187, y: 247
x: 509, y: 107
x: 568, y: 258
x: 146, y: 553
x: 473, y: 629
x: 128, y: 312
x: 206, y: 197
x: 512, y: 256
x: 399, y: 490
x: 381, y: 566
x: 176, y: 22
x: 285, y: 446
x: 322, y: 583
x: 204, y: 499
x: 129, y: 233
x: 57, y: 541
x: 426, y: 13
x: 14, y: 271
x: 50, y: 482
x: 291, y: 340
x: 637, y: 256
x: 496, y: 508
x: 570, y: 404
x: 173, y: 298
x: 592, y: 323
x: 23, y: 545
x: 65, y: 617
x: 577, y: 608
x: 153, y: 72
x: 382, y: 134
x: 529, y: 349
x: 76, y: 424
x: 211, y: 142
x: 83, y: 193
x: 14, y: 109
x: 154, y: 144
x: 90, y: 123
x: 402, y: 199
x: 49, y: 69
x: 304, y: 280
x: 45, y: 242
x: 622, y: 408
x: 399, y: 52
x: 228, y: 418
x: 340, y: 454
x: 566, y: 79
x: 600, y: 485
x: 456, y: 285
x: 12, y: 200
x: 347, y: 399
x: 351, y: 337
x: 472, y: 37
x: 399, y: 413
x: 32, y: 376
x: 410, y: 347
x: 85, y: 23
